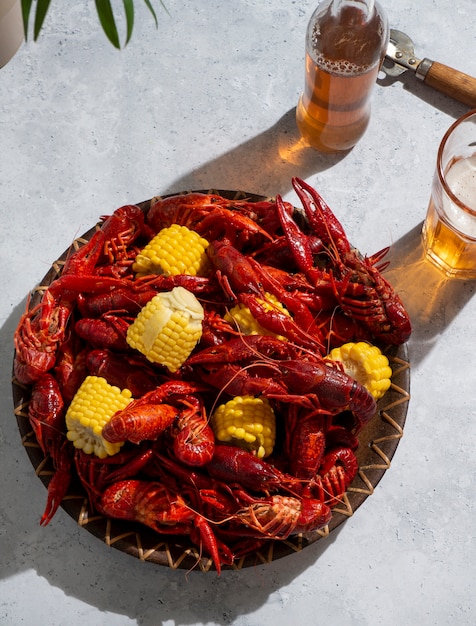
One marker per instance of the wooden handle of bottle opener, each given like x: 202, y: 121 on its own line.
x: 451, y: 82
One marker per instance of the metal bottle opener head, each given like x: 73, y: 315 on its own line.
x: 400, y: 54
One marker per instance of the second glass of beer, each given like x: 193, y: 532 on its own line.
x: 449, y: 231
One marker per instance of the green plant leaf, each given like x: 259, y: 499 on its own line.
x: 129, y: 10
x: 26, y: 9
x: 108, y: 23
x: 105, y: 15
x: 41, y: 11
x: 151, y: 9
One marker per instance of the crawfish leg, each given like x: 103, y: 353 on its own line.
x: 58, y: 485
x: 202, y: 534
x: 321, y: 219
x: 298, y: 243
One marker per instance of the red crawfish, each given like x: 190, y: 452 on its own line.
x: 172, y: 404
x: 279, y: 516
x: 42, y: 328
x: 184, y: 209
x: 237, y: 228
x: 243, y: 280
x: 107, y: 332
x: 338, y: 469
x: 306, y: 434
x: 121, y: 229
x: 97, y: 474
x: 119, y: 300
x: 207, y: 495
x: 70, y: 368
x: 46, y: 413
x: 215, y: 329
x: 110, y: 241
x: 193, y: 438
x: 296, y: 286
x: 233, y: 465
x: 164, y: 511
x: 40, y: 331
x: 210, y: 215
x: 125, y: 226
x: 143, y: 419
x: 97, y: 296
x: 126, y: 371
x: 267, y: 216
x: 244, y: 366
x: 360, y: 288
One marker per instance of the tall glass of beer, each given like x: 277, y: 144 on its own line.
x: 449, y: 230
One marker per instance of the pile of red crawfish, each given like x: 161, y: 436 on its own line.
x: 181, y: 481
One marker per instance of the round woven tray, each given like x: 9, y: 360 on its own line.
x: 378, y: 442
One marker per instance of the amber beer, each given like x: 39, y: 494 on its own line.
x: 345, y: 46
x: 334, y: 111
x: 449, y: 232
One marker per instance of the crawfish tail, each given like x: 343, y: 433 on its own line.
x: 335, y: 390
x: 108, y: 332
x: 314, y: 514
x: 344, y: 457
x: 139, y: 423
x: 119, y: 299
x: 307, y: 446
x: 339, y: 468
x: 194, y: 444
x: 231, y: 464
x: 46, y: 413
x: 147, y: 502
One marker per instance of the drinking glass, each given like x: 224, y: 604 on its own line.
x: 449, y: 230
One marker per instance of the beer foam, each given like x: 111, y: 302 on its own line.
x: 461, y: 179
x: 342, y: 67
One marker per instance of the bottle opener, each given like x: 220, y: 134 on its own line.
x: 400, y: 58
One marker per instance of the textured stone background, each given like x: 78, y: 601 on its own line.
x: 207, y: 100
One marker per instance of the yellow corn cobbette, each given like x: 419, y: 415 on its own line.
x: 241, y: 316
x: 95, y: 402
x: 366, y: 364
x: 174, y: 250
x: 168, y: 328
x: 247, y: 422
